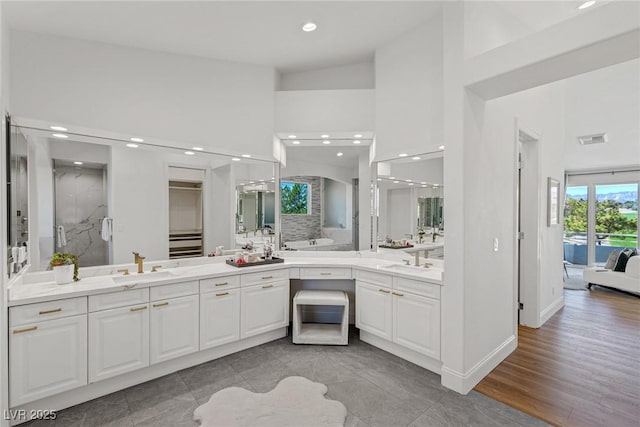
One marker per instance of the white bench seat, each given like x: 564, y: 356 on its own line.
x: 320, y: 333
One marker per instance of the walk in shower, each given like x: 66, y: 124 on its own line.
x: 80, y: 196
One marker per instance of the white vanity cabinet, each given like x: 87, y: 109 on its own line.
x: 219, y: 318
x: 416, y: 323
x: 174, y: 328
x: 46, y: 357
x: 403, y: 311
x: 374, y: 309
x: 118, y: 341
x: 264, y: 308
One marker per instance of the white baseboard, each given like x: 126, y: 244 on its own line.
x: 110, y: 385
x: 426, y: 362
x: 551, y: 310
x: 463, y: 383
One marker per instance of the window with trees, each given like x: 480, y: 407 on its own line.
x: 295, y: 198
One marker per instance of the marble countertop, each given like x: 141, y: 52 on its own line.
x: 39, y: 287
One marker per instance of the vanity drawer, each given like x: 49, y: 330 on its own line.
x: 219, y: 283
x: 375, y: 278
x: 49, y: 310
x: 417, y: 287
x: 249, y: 279
x: 174, y: 290
x: 325, y: 273
x: 118, y: 299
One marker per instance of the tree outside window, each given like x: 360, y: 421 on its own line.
x: 294, y: 198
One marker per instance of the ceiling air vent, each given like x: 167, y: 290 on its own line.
x: 598, y: 138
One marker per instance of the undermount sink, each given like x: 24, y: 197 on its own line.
x: 144, y: 277
x: 408, y: 268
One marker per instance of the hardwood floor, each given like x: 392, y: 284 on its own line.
x: 582, y: 368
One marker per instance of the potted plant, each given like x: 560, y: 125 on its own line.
x: 65, y: 267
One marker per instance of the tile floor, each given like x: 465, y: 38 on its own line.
x: 377, y: 388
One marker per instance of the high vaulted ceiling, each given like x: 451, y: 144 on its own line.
x: 258, y: 32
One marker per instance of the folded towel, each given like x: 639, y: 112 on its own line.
x: 61, y: 236
x: 105, y: 232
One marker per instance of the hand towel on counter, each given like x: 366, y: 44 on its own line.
x: 106, y: 231
x: 61, y: 236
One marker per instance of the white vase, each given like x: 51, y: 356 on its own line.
x: 63, y: 274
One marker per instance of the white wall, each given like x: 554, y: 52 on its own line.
x: 351, y: 76
x: 605, y: 100
x: 143, y: 93
x: 409, y: 92
x: 335, y: 202
x: 348, y: 110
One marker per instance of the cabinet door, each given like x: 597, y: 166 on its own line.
x: 118, y: 341
x: 373, y: 309
x: 47, y: 358
x: 264, y: 308
x: 416, y: 323
x: 174, y: 328
x: 219, y: 318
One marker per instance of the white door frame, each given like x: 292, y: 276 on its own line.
x: 528, y: 222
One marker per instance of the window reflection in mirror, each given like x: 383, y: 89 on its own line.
x: 319, y: 196
x: 103, y: 198
x: 410, y: 200
x: 255, y: 208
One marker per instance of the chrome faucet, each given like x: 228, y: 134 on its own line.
x: 138, y: 260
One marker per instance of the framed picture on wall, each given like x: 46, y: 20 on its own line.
x: 553, y: 202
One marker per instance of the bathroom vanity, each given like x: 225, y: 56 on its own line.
x: 108, y: 332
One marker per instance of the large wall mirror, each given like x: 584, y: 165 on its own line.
x: 319, y: 195
x: 17, y: 200
x: 410, y: 202
x: 103, y: 198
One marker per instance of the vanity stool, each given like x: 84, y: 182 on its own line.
x: 320, y: 333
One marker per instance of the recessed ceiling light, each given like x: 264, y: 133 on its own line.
x: 395, y: 182
x: 392, y: 177
x: 587, y: 4
x: 198, y: 148
x: 189, y: 153
x: 235, y: 159
x: 407, y: 180
x: 435, y: 185
x: 411, y: 183
x: 357, y: 141
x: 58, y: 128
x: 252, y: 182
x: 137, y: 139
x: 379, y: 179
x: 326, y: 142
x: 77, y: 163
x: 415, y: 158
x: 132, y: 145
x: 424, y: 186
x: 441, y: 147
x: 357, y: 135
x: 307, y: 27
x: 403, y: 155
x: 60, y: 135
x: 246, y: 156
x: 296, y: 142
x: 292, y: 137
x: 423, y: 182
x: 324, y: 136
x: 339, y: 154
x: 261, y: 180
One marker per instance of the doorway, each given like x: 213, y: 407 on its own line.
x: 528, y: 224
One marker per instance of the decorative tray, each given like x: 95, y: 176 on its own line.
x: 262, y: 261
x: 395, y: 247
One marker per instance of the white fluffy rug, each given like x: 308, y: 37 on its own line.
x: 295, y: 401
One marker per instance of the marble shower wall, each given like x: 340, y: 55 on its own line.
x: 81, y: 200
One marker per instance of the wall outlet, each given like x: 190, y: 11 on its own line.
x: 496, y: 244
